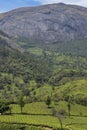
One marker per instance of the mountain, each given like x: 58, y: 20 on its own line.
x: 6, y: 41
x: 46, y: 24
x: 55, y: 37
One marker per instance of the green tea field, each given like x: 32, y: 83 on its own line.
x: 37, y: 116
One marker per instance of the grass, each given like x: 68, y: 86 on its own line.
x: 30, y: 120
x: 35, y: 50
x: 76, y: 110
x: 18, y: 127
x: 33, y: 108
x: 79, y: 126
x: 76, y: 123
x: 45, y: 120
x: 38, y: 114
x: 40, y: 108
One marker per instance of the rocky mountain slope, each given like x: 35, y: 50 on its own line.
x: 47, y: 24
x: 6, y: 41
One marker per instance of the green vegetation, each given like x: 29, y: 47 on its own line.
x: 18, y: 127
x: 40, y: 108
x: 71, y: 48
x: 36, y: 108
x: 4, y: 106
x: 51, y: 74
x: 48, y: 101
x: 48, y: 119
x: 75, y: 48
x: 21, y: 103
x: 53, y: 85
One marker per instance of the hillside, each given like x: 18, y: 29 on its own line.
x: 38, y: 75
x: 6, y: 41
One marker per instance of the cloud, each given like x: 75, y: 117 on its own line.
x: 47, y: 1
x: 80, y: 2
x: 75, y: 2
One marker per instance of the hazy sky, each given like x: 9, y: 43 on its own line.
x: 6, y: 5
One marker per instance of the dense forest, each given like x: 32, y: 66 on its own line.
x: 33, y: 75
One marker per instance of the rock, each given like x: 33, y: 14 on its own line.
x: 48, y: 23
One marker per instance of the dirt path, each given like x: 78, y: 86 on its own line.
x: 46, y: 128
x: 69, y: 127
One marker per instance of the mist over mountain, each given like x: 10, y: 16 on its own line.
x: 47, y: 24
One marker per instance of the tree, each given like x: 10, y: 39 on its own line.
x: 4, y: 106
x: 70, y: 101
x: 69, y: 108
x: 56, y: 114
x: 60, y: 121
x: 21, y: 103
x: 10, y: 110
x: 48, y: 101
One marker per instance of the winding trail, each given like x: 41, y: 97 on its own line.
x: 47, y: 128
x: 69, y: 127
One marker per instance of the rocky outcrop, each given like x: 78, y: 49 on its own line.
x: 6, y: 41
x: 48, y: 23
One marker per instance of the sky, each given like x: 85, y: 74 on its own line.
x: 6, y: 5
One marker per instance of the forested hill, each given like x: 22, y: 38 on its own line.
x: 34, y: 75
x: 16, y: 70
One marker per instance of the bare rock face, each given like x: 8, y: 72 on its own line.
x: 48, y: 23
x: 6, y: 41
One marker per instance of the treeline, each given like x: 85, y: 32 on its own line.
x: 75, y: 48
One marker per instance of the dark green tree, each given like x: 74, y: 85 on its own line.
x: 21, y: 103
x: 4, y: 106
x: 70, y: 101
x: 48, y: 101
x: 56, y: 114
x: 69, y: 108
